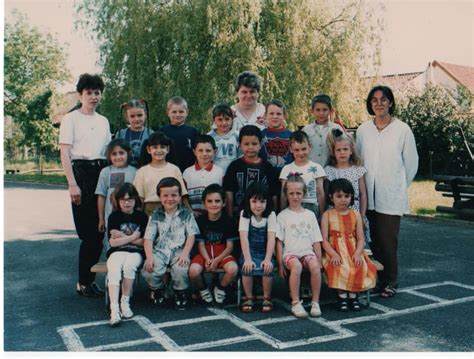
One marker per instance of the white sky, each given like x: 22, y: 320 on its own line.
x: 415, y: 33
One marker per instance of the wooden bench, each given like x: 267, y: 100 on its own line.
x: 461, y: 189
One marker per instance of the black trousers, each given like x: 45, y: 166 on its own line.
x: 384, y: 229
x: 86, y: 217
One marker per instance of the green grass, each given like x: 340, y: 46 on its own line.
x: 51, y: 178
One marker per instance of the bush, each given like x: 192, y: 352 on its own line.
x: 436, y: 120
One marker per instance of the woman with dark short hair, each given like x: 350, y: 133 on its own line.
x: 388, y: 149
x: 83, y: 138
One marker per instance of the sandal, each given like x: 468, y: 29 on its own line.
x: 355, y: 304
x: 388, y: 292
x: 247, y: 306
x: 267, y: 305
x: 343, y: 305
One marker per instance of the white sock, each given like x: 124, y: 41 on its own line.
x: 343, y: 295
x: 353, y: 295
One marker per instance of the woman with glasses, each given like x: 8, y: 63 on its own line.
x: 388, y: 149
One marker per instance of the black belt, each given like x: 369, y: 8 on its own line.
x: 89, y: 163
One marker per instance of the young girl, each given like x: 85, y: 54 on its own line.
x: 298, y: 246
x: 347, y: 266
x: 311, y: 172
x: 276, y: 137
x: 156, y: 168
x: 136, y: 114
x: 126, y: 230
x: 112, y: 177
x: 346, y: 163
x: 257, y: 228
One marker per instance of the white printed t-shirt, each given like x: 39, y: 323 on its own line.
x: 298, y: 231
x: 88, y: 135
x: 309, y: 172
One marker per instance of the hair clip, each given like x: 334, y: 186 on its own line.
x: 295, y: 174
x: 337, y: 132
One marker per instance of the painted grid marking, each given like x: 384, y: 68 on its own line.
x: 73, y: 341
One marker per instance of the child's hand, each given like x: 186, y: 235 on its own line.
x: 208, y: 263
x: 357, y: 258
x: 267, y: 266
x: 149, y: 264
x: 248, y: 266
x: 115, y: 233
x: 336, y: 260
x: 183, y: 260
x: 101, y: 226
x: 281, y: 271
x: 212, y: 265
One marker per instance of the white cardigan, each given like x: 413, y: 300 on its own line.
x: 391, y: 159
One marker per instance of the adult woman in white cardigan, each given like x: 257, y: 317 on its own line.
x: 388, y: 148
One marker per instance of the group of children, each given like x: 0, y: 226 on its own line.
x: 265, y: 178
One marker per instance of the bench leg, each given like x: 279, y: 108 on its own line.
x: 239, y: 291
x: 106, y: 289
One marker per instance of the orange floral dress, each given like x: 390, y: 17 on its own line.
x: 342, y: 238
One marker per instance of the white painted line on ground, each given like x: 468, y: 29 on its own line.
x: 221, y: 342
x: 273, y: 320
x: 381, y: 307
x: 115, y: 346
x: 264, y: 337
x: 426, y: 296
x: 71, y: 339
x: 176, y: 323
x: 158, y: 335
x: 467, y: 286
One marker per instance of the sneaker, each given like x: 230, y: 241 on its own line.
x: 125, y: 307
x: 97, y: 289
x: 115, y: 317
x: 86, y: 290
x: 219, y: 295
x: 180, y: 300
x: 298, y: 310
x: 315, y: 310
x: 157, y: 297
x: 206, y: 295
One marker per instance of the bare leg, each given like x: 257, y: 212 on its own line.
x: 247, y: 283
x: 195, y: 276
x: 114, y: 295
x: 315, y: 272
x: 294, y: 281
x: 231, y: 270
x: 267, y: 283
x: 127, y: 284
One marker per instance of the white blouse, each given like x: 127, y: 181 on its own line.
x: 391, y: 159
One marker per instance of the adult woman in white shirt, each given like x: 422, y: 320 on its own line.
x: 388, y: 149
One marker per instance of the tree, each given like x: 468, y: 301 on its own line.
x: 435, y: 119
x: 34, y: 65
x: 195, y: 49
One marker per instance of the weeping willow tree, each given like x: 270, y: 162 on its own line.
x: 195, y: 49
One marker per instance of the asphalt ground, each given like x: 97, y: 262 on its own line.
x: 433, y: 310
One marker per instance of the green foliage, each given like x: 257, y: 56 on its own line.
x: 195, y: 49
x: 435, y: 119
x: 34, y: 66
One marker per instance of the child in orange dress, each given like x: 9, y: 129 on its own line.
x: 347, y: 266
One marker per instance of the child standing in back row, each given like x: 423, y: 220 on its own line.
x: 182, y: 134
x: 136, y: 114
x: 321, y: 107
x: 227, y: 140
x: 276, y: 137
x: 299, y: 246
x: 156, y: 168
x: 347, y: 266
x: 311, y: 172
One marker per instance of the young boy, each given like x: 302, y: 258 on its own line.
x: 313, y: 174
x: 216, y: 243
x: 168, y: 240
x: 250, y: 168
x: 321, y: 108
x: 182, y: 135
x: 227, y: 140
x: 276, y: 138
x: 203, y: 173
